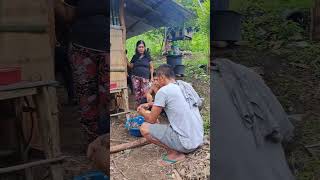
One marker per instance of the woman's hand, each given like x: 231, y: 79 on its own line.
x: 130, y: 65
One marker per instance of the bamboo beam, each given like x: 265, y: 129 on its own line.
x: 118, y: 69
x: 133, y: 144
x: 30, y: 164
x: 20, y: 28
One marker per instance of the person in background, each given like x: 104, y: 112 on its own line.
x: 142, y: 71
x: 184, y: 133
x: 88, y: 56
x: 151, y: 92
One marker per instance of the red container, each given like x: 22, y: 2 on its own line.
x: 9, y: 75
x: 113, y: 85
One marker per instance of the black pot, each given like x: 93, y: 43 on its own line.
x: 179, y: 69
x: 174, y: 60
x: 221, y: 5
x: 226, y: 26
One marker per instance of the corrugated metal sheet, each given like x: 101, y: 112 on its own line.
x: 144, y: 15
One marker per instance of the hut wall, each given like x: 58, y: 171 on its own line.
x: 31, y: 50
x: 118, y: 65
x: 27, y: 39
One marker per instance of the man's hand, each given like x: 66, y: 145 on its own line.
x: 149, y: 98
x: 141, y: 109
x: 99, y: 153
x: 146, y: 105
x: 150, y: 116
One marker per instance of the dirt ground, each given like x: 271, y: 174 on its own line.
x: 73, y: 142
x: 142, y: 162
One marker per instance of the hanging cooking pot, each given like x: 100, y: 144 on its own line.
x: 179, y: 69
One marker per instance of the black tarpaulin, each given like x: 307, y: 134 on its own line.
x: 237, y: 153
x: 144, y: 15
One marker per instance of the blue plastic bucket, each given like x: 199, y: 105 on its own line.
x: 134, y: 131
x: 92, y: 175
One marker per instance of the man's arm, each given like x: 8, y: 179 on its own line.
x: 150, y: 117
x: 149, y: 94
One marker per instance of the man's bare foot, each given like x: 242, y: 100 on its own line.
x: 171, y: 158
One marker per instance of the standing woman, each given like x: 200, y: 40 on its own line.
x: 88, y: 54
x: 142, y: 71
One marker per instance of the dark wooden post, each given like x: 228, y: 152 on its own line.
x: 315, y: 21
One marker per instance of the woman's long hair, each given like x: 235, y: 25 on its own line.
x: 146, y: 53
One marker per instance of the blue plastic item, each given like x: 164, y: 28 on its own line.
x: 134, y: 131
x: 92, y: 175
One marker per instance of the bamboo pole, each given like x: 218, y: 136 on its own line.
x: 29, y: 165
x: 129, y: 145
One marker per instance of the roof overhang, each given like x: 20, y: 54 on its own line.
x: 144, y: 15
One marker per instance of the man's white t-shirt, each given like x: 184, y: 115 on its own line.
x: 185, y: 120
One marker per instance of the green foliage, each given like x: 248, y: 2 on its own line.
x: 153, y: 40
x: 193, y: 70
x: 273, y: 4
x: 199, y: 42
x: 266, y: 29
x: 309, y: 55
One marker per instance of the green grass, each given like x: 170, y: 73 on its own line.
x: 274, y: 4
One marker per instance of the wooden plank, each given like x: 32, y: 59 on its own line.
x: 47, y: 131
x: 120, y: 78
x: 51, y: 21
x: 118, y: 114
x: 30, y: 51
x: 133, y: 144
x: 118, y: 69
x: 123, y: 22
x: 27, y: 11
x: 26, y: 85
x: 31, y: 164
x: 55, y: 119
x: 17, y: 93
x: 24, y: 148
x: 125, y: 101
x: 33, y: 52
x: 20, y: 28
x: 31, y: 127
